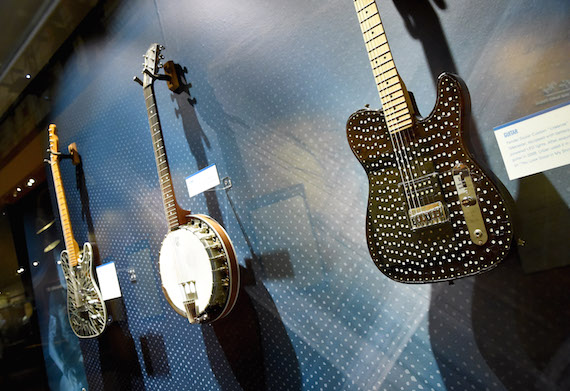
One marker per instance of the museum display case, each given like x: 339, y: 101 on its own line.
x: 291, y: 195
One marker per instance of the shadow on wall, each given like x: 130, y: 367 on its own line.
x: 522, y: 321
x: 197, y: 141
x: 423, y: 24
x: 519, y: 325
x: 239, y: 336
x: 114, y: 351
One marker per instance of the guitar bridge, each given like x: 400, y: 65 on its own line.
x: 190, y: 297
x: 424, y: 201
x: 427, y: 215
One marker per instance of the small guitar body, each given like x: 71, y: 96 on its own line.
x: 433, y: 214
x: 85, y: 307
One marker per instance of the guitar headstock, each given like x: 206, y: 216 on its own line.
x: 152, y: 63
x: 53, y: 144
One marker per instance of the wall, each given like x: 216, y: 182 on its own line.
x: 273, y: 84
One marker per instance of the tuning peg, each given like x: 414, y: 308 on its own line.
x: 135, y: 78
x: 160, y: 47
x: 161, y: 56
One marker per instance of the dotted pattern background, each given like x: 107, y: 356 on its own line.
x: 274, y: 83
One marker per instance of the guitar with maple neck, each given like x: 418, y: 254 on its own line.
x: 85, y: 306
x: 433, y: 214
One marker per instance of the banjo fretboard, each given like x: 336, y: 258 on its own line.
x: 164, y: 178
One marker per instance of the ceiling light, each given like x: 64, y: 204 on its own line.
x: 28, y: 76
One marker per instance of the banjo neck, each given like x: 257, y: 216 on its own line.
x: 175, y: 216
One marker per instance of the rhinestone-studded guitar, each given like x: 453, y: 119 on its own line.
x: 85, y: 307
x: 198, y: 265
x: 433, y: 214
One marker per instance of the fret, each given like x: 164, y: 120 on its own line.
x: 392, y: 97
x: 369, y: 22
x: 388, y: 83
x: 403, y: 126
x: 382, y: 34
x: 165, y: 180
x: 387, y: 49
x: 390, y: 112
x: 366, y: 6
x: 70, y: 244
x: 372, y: 27
x: 366, y: 19
x: 400, y: 105
x: 388, y: 61
x: 384, y: 56
x: 374, y: 39
x: 385, y: 72
x: 390, y: 88
x: 394, y: 101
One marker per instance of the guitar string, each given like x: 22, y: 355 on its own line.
x: 408, y: 132
x: 403, y: 146
x: 172, y: 218
x: 393, y: 118
x: 399, y: 142
x: 156, y: 132
x: 396, y: 138
x: 397, y: 158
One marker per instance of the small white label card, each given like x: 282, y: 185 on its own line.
x: 108, y: 281
x: 536, y: 143
x: 203, y: 180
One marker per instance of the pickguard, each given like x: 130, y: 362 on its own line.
x: 416, y: 230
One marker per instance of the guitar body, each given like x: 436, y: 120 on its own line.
x: 85, y: 307
x: 440, y: 217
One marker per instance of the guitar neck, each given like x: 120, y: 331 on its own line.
x: 174, y: 215
x: 70, y: 242
x: 393, y: 94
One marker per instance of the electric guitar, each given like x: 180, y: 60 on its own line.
x: 85, y: 307
x: 198, y: 265
x: 433, y: 214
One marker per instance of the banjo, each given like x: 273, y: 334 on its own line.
x: 85, y: 307
x: 197, y: 264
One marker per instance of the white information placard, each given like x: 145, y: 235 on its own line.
x: 536, y: 143
x: 108, y: 281
x: 203, y: 180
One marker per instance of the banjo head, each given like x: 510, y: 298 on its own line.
x: 199, y: 258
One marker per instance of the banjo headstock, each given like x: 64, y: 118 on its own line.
x: 152, y: 64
